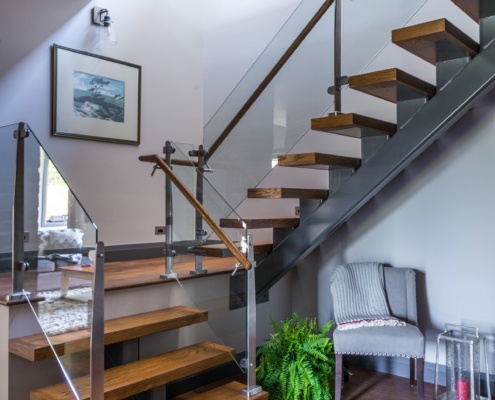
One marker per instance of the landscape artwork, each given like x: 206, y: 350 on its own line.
x: 98, y: 97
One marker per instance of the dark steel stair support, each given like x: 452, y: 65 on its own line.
x: 428, y: 124
x: 487, y: 22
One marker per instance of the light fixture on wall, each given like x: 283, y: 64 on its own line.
x: 102, y: 18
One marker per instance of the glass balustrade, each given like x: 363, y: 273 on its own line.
x: 279, y: 120
x: 201, y: 250
x: 48, y: 241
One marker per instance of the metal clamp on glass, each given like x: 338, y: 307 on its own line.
x: 169, y: 273
x: 339, y: 82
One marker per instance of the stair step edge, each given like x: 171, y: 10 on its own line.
x: 221, y: 250
x: 421, y: 40
x: 136, y: 377
x: 259, y: 223
x: 229, y: 391
x: 36, y: 348
x: 318, y: 161
x: 385, y: 84
x: 353, y: 125
x: 286, y: 193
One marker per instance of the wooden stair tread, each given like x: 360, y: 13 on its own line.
x: 136, y: 377
x: 220, y: 250
x: 175, y: 161
x: 318, y: 161
x: 258, y: 223
x: 393, y: 85
x: 353, y: 125
x: 470, y: 7
x: 36, y: 348
x: 287, y: 193
x: 229, y: 391
x: 435, y: 41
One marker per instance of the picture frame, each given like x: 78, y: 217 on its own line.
x: 95, y: 97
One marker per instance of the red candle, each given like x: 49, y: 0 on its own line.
x: 462, y: 389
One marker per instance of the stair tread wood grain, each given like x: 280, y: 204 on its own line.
x: 36, y: 348
x: 470, y: 7
x: 258, y: 223
x: 353, y: 125
x: 435, y: 41
x: 175, y: 161
x: 136, y: 377
x: 393, y: 85
x: 220, y: 250
x: 287, y: 193
x: 229, y: 391
x: 318, y: 161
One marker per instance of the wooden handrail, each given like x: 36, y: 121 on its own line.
x: 200, y: 209
x: 274, y: 71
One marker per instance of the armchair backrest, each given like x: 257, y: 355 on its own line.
x: 400, y: 289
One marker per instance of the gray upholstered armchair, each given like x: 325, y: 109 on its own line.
x: 399, y: 287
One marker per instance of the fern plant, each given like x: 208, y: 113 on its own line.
x: 297, y: 362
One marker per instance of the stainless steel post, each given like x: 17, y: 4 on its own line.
x: 169, y: 217
x: 200, y: 232
x: 97, y: 328
x: 252, y: 387
x: 338, y: 56
x: 18, y: 263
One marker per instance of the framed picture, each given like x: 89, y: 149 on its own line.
x: 95, y: 97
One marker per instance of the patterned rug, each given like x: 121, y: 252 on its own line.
x: 65, y: 314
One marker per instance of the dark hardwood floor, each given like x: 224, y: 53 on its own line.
x: 122, y: 274
x: 371, y: 385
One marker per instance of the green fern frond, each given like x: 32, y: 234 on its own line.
x: 297, y: 362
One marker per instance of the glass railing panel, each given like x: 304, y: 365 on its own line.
x: 281, y: 115
x: 265, y: 62
x: 363, y: 41
x: 58, y: 238
x: 225, y: 321
x: 279, y: 118
x: 8, y: 147
x: 224, y: 318
x: 183, y: 212
x: 215, y: 204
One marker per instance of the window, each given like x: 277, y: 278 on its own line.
x: 54, y: 196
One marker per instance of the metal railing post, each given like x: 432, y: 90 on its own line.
x: 169, y: 217
x: 18, y: 263
x: 250, y: 363
x: 339, y: 79
x: 200, y: 232
x: 97, y: 328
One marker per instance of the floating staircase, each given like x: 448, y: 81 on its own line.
x: 135, y: 377
x: 464, y: 75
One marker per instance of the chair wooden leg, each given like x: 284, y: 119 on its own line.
x: 420, y: 370
x: 338, y: 376
x: 412, y: 372
x: 346, y: 368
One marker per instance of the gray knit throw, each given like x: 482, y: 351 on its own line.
x: 359, y: 297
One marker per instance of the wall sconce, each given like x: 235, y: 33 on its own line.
x: 101, y: 18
